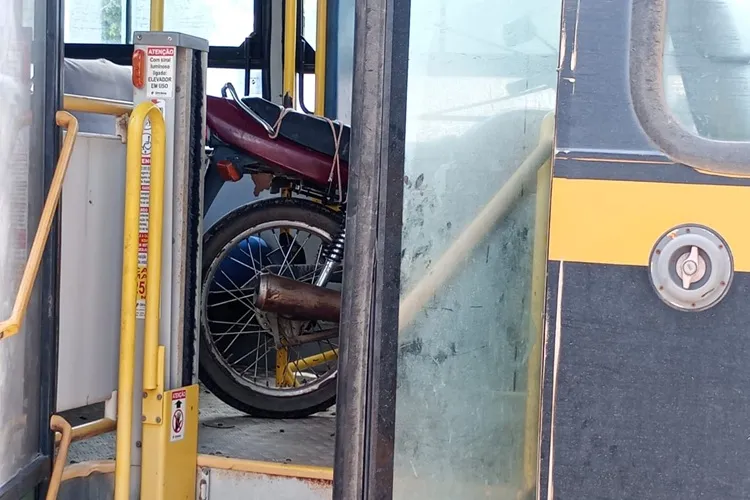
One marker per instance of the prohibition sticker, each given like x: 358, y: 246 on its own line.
x: 177, y: 422
x: 160, y: 72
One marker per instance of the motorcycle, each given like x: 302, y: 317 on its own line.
x: 305, y: 159
x: 263, y: 363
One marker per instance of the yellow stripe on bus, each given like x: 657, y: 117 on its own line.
x: 618, y: 222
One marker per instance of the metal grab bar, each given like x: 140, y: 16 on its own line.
x: 130, y: 276
x: 97, y: 105
x: 491, y: 214
x: 228, y: 87
x: 90, y: 429
x: 12, y: 325
x: 154, y: 258
x: 321, y: 39
x: 536, y: 325
x: 290, y: 53
x: 156, y: 20
x: 59, y: 424
x: 86, y: 469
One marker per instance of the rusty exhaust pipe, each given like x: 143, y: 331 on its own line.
x: 296, y: 300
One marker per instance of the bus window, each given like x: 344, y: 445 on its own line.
x: 707, y: 67
x: 692, y: 98
x: 221, y: 22
x: 482, y: 77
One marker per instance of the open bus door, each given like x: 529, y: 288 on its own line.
x: 631, y: 380
x: 484, y: 357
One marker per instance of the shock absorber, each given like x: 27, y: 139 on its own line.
x: 334, y: 256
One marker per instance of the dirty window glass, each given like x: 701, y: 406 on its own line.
x: 482, y: 76
x: 707, y: 67
x: 23, y: 28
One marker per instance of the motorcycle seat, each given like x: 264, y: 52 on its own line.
x: 307, y: 130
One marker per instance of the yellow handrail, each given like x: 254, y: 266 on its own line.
x: 536, y: 324
x: 59, y: 424
x: 12, y: 325
x: 325, y: 474
x: 290, y: 51
x: 153, y: 280
x: 90, y: 429
x: 129, y: 278
x: 270, y: 468
x: 83, y: 104
x: 321, y: 40
x: 497, y: 208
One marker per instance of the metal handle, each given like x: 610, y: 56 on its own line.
x: 126, y: 382
x: 84, y: 104
x: 233, y: 93
x: 59, y: 424
x: 12, y: 325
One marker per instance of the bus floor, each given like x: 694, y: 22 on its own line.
x: 227, y: 432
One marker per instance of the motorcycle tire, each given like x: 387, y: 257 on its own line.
x: 214, y: 374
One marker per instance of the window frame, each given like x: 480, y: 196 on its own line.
x: 648, y: 93
x: 252, y: 54
x: 365, y: 409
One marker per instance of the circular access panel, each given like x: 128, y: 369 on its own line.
x: 691, y: 268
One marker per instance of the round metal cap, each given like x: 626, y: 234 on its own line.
x: 691, y: 268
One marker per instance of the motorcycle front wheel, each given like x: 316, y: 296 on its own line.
x: 239, y: 348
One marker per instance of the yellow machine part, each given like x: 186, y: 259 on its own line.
x: 170, y: 448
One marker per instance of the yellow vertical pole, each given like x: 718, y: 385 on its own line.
x: 157, y: 15
x: 282, y: 360
x: 538, y: 283
x: 154, y: 254
x: 126, y: 382
x: 290, y: 52
x: 321, y: 41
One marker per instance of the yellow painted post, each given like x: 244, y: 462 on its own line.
x: 129, y: 281
x: 157, y: 15
x: 282, y: 359
x: 290, y: 53
x: 536, y: 334
x: 153, y: 262
x: 169, y: 417
x: 321, y: 41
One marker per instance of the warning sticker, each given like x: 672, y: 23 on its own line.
x: 140, y: 305
x: 162, y: 105
x: 160, y: 72
x: 143, y: 218
x: 177, y: 422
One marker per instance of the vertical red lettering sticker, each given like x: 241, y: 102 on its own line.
x: 143, y: 220
x: 160, y: 72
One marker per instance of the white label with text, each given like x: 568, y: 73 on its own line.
x: 161, y: 68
